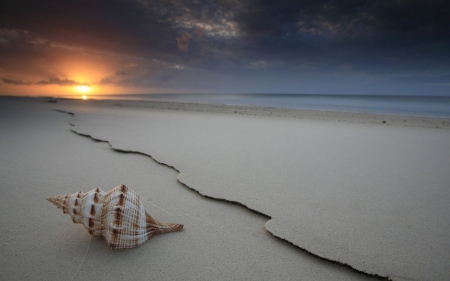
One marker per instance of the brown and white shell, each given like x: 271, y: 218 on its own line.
x: 118, y: 215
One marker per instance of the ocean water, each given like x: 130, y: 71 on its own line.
x: 431, y: 106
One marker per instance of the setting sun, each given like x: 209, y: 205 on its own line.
x: 83, y: 89
x: 84, y: 97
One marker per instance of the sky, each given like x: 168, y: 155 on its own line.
x: 58, y: 47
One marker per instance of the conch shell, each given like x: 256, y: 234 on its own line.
x: 118, y: 215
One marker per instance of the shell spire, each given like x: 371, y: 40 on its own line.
x: 70, y: 204
x: 118, y: 215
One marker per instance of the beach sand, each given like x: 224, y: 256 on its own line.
x: 348, y: 194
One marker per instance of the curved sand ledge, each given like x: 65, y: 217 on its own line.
x: 221, y: 199
x: 393, y: 276
x: 41, y: 157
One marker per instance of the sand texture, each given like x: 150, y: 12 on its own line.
x: 367, y: 194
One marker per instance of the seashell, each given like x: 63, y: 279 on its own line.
x: 118, y: 215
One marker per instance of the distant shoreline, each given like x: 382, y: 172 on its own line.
x: 338, y: 116
x: 423, y: 106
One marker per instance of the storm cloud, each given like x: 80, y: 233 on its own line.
x: 50, y: 81
x: 290, y: 43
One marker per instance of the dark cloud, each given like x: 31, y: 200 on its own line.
x: 258, y: 29
x: 107, y: 81
x: 345, y: 29
x: 122, y: 73
x: 199, y: 31
x: 50, y: 81
x: 229, y: 37
x: 60, y: 82
x: 183, y: 42
x: 15, y: 82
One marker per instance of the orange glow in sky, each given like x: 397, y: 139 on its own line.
x: 74, y: 73
x: 83, y: 89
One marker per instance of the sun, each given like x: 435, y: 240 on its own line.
x: 83, y: 89
x: 84, y: 97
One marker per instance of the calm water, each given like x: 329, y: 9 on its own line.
x: 400, y: 105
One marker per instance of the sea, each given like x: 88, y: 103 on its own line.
x: 427, y: 106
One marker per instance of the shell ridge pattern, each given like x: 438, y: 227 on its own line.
x: 118, y: 215
x: 124, y: 220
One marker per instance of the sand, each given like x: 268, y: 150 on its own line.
x: 350, y: 189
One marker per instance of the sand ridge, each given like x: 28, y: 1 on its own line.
x: 379, y: 205
x: 222, y: 199
x: 42, y: 158
x: 324, y: 175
